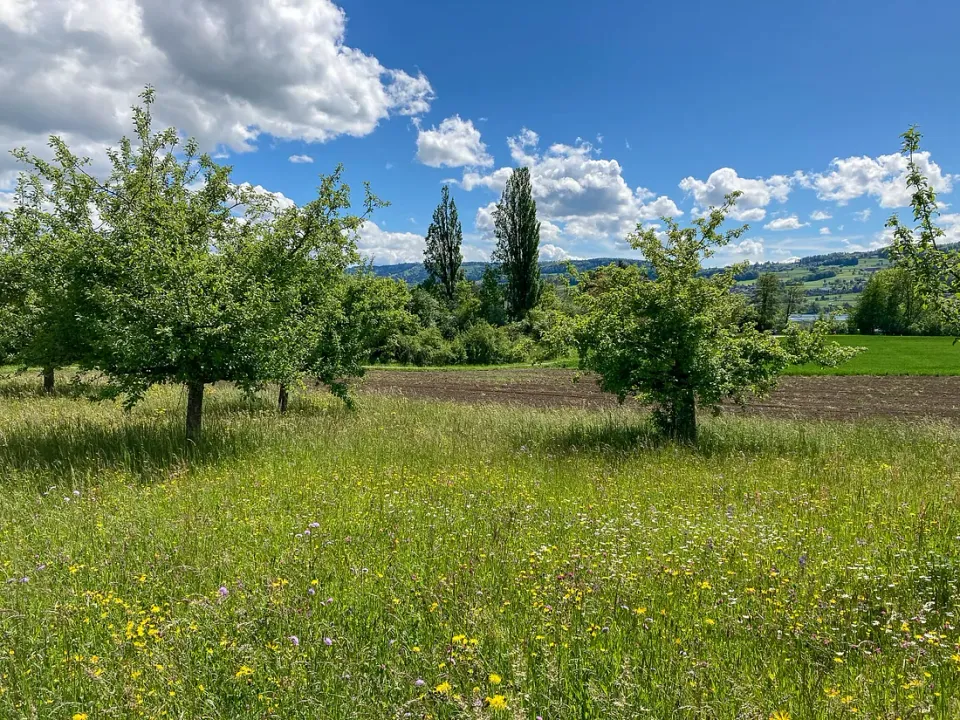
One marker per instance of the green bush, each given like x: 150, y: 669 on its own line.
x: 485, y: 344
x: 428, y: 347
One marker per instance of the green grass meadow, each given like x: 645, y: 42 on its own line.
x: 893, y: 355
x: 431, y: 560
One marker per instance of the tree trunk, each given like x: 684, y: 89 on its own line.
x: 282, y: 398
x: 194, y: 410
x: 48, y: 380
x: 685, y: 417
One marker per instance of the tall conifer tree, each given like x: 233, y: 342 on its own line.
x: 518, y: 244
x: 442, y: 256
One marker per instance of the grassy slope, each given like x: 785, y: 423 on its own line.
x: 804, y: 568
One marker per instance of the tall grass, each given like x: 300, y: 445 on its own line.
x: 435, y: 560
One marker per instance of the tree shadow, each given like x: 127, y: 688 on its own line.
x: 80, y: 452
x: 25, y: 385
x: 720, y: 436
x: 606, y: 434
x: 72, y: 446
x: 311, y: 401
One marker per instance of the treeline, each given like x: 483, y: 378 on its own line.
x: 891, y: 305
x: 773, y: 302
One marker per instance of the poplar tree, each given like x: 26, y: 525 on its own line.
x: 442, y: 257
x: 518, y: 244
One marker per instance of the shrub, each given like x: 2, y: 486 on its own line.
x: 427, y: 347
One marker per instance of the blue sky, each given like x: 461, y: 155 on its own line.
x: 623, y: 111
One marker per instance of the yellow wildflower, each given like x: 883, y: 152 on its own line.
x: 443, y: 688
x: 495, y: 679
x: 497, y: 702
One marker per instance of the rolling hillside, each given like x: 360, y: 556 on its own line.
x: 830, y: 282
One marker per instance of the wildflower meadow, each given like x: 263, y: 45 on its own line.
x: 431, y: 560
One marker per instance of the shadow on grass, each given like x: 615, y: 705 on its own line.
x: 602, y: 435
x: 83, y: 452
x: 222, y: 402
x: 24, y: 385
x: 720, y: 436
x: 83, y: 443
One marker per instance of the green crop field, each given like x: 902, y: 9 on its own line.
x: 428, y: 560
x: 888, y: 355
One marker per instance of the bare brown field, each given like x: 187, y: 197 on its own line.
x: 823, y: 397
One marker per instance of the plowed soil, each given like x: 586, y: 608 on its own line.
x: 824, y: 397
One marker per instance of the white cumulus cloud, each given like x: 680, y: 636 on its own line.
x: 552, y: 253
x: 790, y: 222
x: 455, y: 143
x: 883, y: 177
x: 863, y: 215
x: 225, y: 71
x: 388, y: 248
x: 824, y: 231
x: 582, y: 195
x: 300, y: 159
x: 758, y: 193
x: 749, y: 248
x: 819, y: 215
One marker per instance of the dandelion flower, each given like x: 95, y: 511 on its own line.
x: 499, y: 702
x: 79, y: 716
x: 443, y: 688
x: 780, y: 715
x: 495, y: 679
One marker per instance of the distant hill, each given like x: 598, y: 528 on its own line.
x: 414, y: 273
x: 830, y: 282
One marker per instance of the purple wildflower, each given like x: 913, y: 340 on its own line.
x: 223, y: 592
x: 294, y: 640
x: 419, y: 682
x: 328, y: 641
